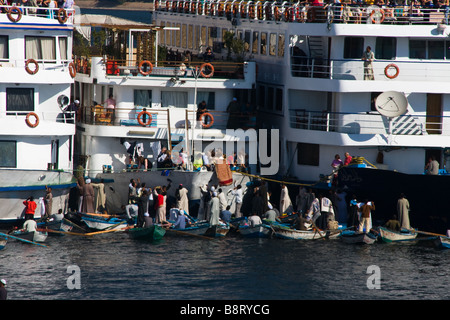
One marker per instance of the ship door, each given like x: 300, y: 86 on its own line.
x: 55, y: 154
x: 434, y: 113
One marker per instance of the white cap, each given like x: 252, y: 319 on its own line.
x: 3, y: 281
x: 77, y: 101
x: 88, y: 180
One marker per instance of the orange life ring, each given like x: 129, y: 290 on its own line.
x: 276, y: 13
x: 36, y: 122
x: 389, y: 66
x: 139, y: 118
x: 72, y: 70
x: 62, y: 15
x: 27, y: 67
x: 141, y: 71
x: 203, y: 66
x: 251, y: 12
x: 12, y: 11
x: 209, y: 125
x: 372, y: 16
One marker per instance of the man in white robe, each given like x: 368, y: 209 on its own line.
x: 403, y: 212
x: 182, y: 199
x: 285, y: 200
x: 214, y: 210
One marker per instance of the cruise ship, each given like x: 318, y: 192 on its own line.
x: 135, y: 102
x: 36, y: 133
x: 390, y: 114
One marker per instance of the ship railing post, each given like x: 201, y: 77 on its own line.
x: 309, y: 120
x: 312, y: 68
x: 331, y: 69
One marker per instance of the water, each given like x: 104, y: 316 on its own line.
x: 113, y: 266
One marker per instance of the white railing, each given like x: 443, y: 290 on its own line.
x: 384, y: 70
x: 16, y: 12
x: 368, y: 123
x: 305, y: 13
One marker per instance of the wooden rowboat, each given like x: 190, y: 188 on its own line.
x: 152, y: 233
x: 217, y: 231
x: 395, y: 236
x: 442, y: 242
x: 3, y: 242
x: 35, y: 236
x: 358, y: 237
x: 294, y: 234
x: 259, y: 231
x: 100, y: 223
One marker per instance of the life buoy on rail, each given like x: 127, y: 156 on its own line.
x: 36, y: 120
x: 27, y: 66
x: 211, y: 122
x: 141, y: 67
x: 14, y: 11
x: 376, y: 19
x: 140, y: 116
x: 391, y: 66
x: 62, y: 15
x: 203, y: 67
x: 72, y: 70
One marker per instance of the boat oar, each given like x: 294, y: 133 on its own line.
x: 27, y: 241
x: 109, y: 229
x: 65, y: 232
x: 428, y: 233
x: 189, y: 234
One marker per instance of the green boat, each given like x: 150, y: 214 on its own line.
x: 152, y: 233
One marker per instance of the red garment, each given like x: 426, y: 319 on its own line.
x: 159, y: 201
x: 347, y: 160
x: 30, y: 207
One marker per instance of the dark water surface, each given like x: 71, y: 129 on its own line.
x: 113, y: 266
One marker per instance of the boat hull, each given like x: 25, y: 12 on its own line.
x: 292, y: 234
x: 18, y: 185
x: 3, y: 242
x: 152, y: 233
x: 358, y: 237
x: 259, y: 231
x: 442, y: 242
x: 217, y: 231
x: 384, y: 187
x: 392, y: 236
x: 97, y: 223
x: 35, y: 236
x: 196, y: 230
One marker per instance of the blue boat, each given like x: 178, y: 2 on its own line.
x: 442, y: 242
x: 349, y: 236
x: 258, y: 231
x: 3, y: 242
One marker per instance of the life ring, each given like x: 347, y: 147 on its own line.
x: 62, y: 15
x: 372, y: 14
x: 389, y: 66
x: 72, y: 70
x: 139, y: 118
x: 208, y: 125
x: 36, y: 122
x: 13, y: 11
x: 141, y: 71
x: 276, y: 13
x: 251, y: 12
x: 203, y: 66
x: 27, y: 66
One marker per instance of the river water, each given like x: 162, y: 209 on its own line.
x: 115, y: 267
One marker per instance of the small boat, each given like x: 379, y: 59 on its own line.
x: 395, y: 236
x: 35, y: 236
x: 3, y: 242
x: 101, y: 223
x: 348, y: 236
x: 258, y: 231
x: 217, y: 231
x: 442, y: 242
x: 294, y: 234
x: 197, y: 229
x: 152, y: 233
x: 58, y: 225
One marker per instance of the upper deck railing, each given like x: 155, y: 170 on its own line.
x: 304, y: 12
x: 15, y: 12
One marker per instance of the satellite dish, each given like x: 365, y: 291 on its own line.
x: 391, y: 104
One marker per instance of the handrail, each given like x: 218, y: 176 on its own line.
x: 16, y: 12
x: 306, y: 13
x: 369, y: 123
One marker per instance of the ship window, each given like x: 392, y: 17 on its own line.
x: 436, y: 50
x: 19, y: 99
x: 174, y: 99
x: 63, y: 48
x: 209, y: 97
x: 417, y: 49
x: 255, y: 42
x: 4, y: 52
x: 308, y: 154
x: 183, y: 36
x: 247, y: 36
x: 353, y: 47
x: 8, y: 154
x: 143, y: 98
x: 386, y: 48
x: 203, y: 36
x: 281, y: 45
x: 272, y: 44
x: 263, y: 43
x: 279, y: 99
x: 40, y: 48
